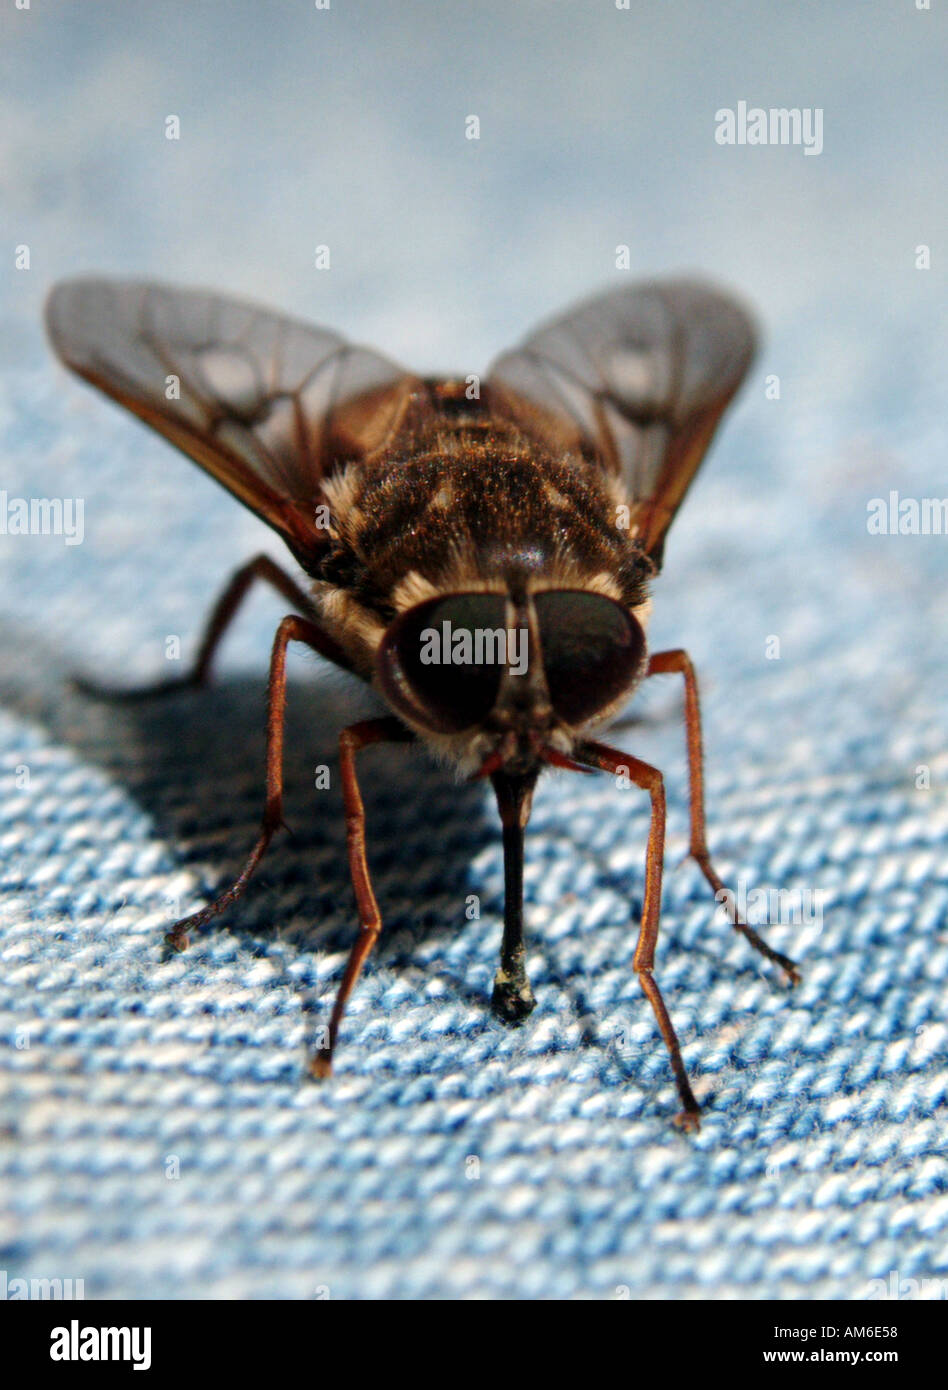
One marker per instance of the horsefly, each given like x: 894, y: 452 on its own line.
x: 481, y: 553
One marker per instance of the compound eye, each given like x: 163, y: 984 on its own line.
x: 593, y: 651
x: 440, y: 664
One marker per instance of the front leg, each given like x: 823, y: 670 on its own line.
x: 679, y: 662
x: 351, y: 740
x: 650, y: 779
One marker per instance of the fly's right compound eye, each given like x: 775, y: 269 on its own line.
x: 440, y: 664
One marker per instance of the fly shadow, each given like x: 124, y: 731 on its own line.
x: 193, y: 762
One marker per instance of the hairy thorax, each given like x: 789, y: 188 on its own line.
x: 470, y: 504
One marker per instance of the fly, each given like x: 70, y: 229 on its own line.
x: 480, y: 553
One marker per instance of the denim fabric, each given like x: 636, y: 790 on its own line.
x: 158, y: 1135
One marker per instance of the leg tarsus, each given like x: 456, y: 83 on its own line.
x: 114, y: 694
x: 678, y: 662
x: 320, y: 1065
x: 789, y: 967
x: 688, y: 1117
x: 178, y: 938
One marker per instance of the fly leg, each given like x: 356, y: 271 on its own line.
x: 291, y: 629
x: 650, y: 779
x: 679, y: 662
x: 351, y: 741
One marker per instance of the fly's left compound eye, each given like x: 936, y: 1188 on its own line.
x: 593, y: 651
x: 440, y: 664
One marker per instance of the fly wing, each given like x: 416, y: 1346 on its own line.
x: 268, y: 405
x: 636, y: 380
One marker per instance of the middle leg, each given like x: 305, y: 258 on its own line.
x: 291, y: 629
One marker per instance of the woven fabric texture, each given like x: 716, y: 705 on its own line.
x: 158, y: 1137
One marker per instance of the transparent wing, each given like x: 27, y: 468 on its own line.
x: 637, y: 380
x: 266, y: 404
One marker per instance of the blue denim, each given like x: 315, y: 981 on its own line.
x: 160, y: 1138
